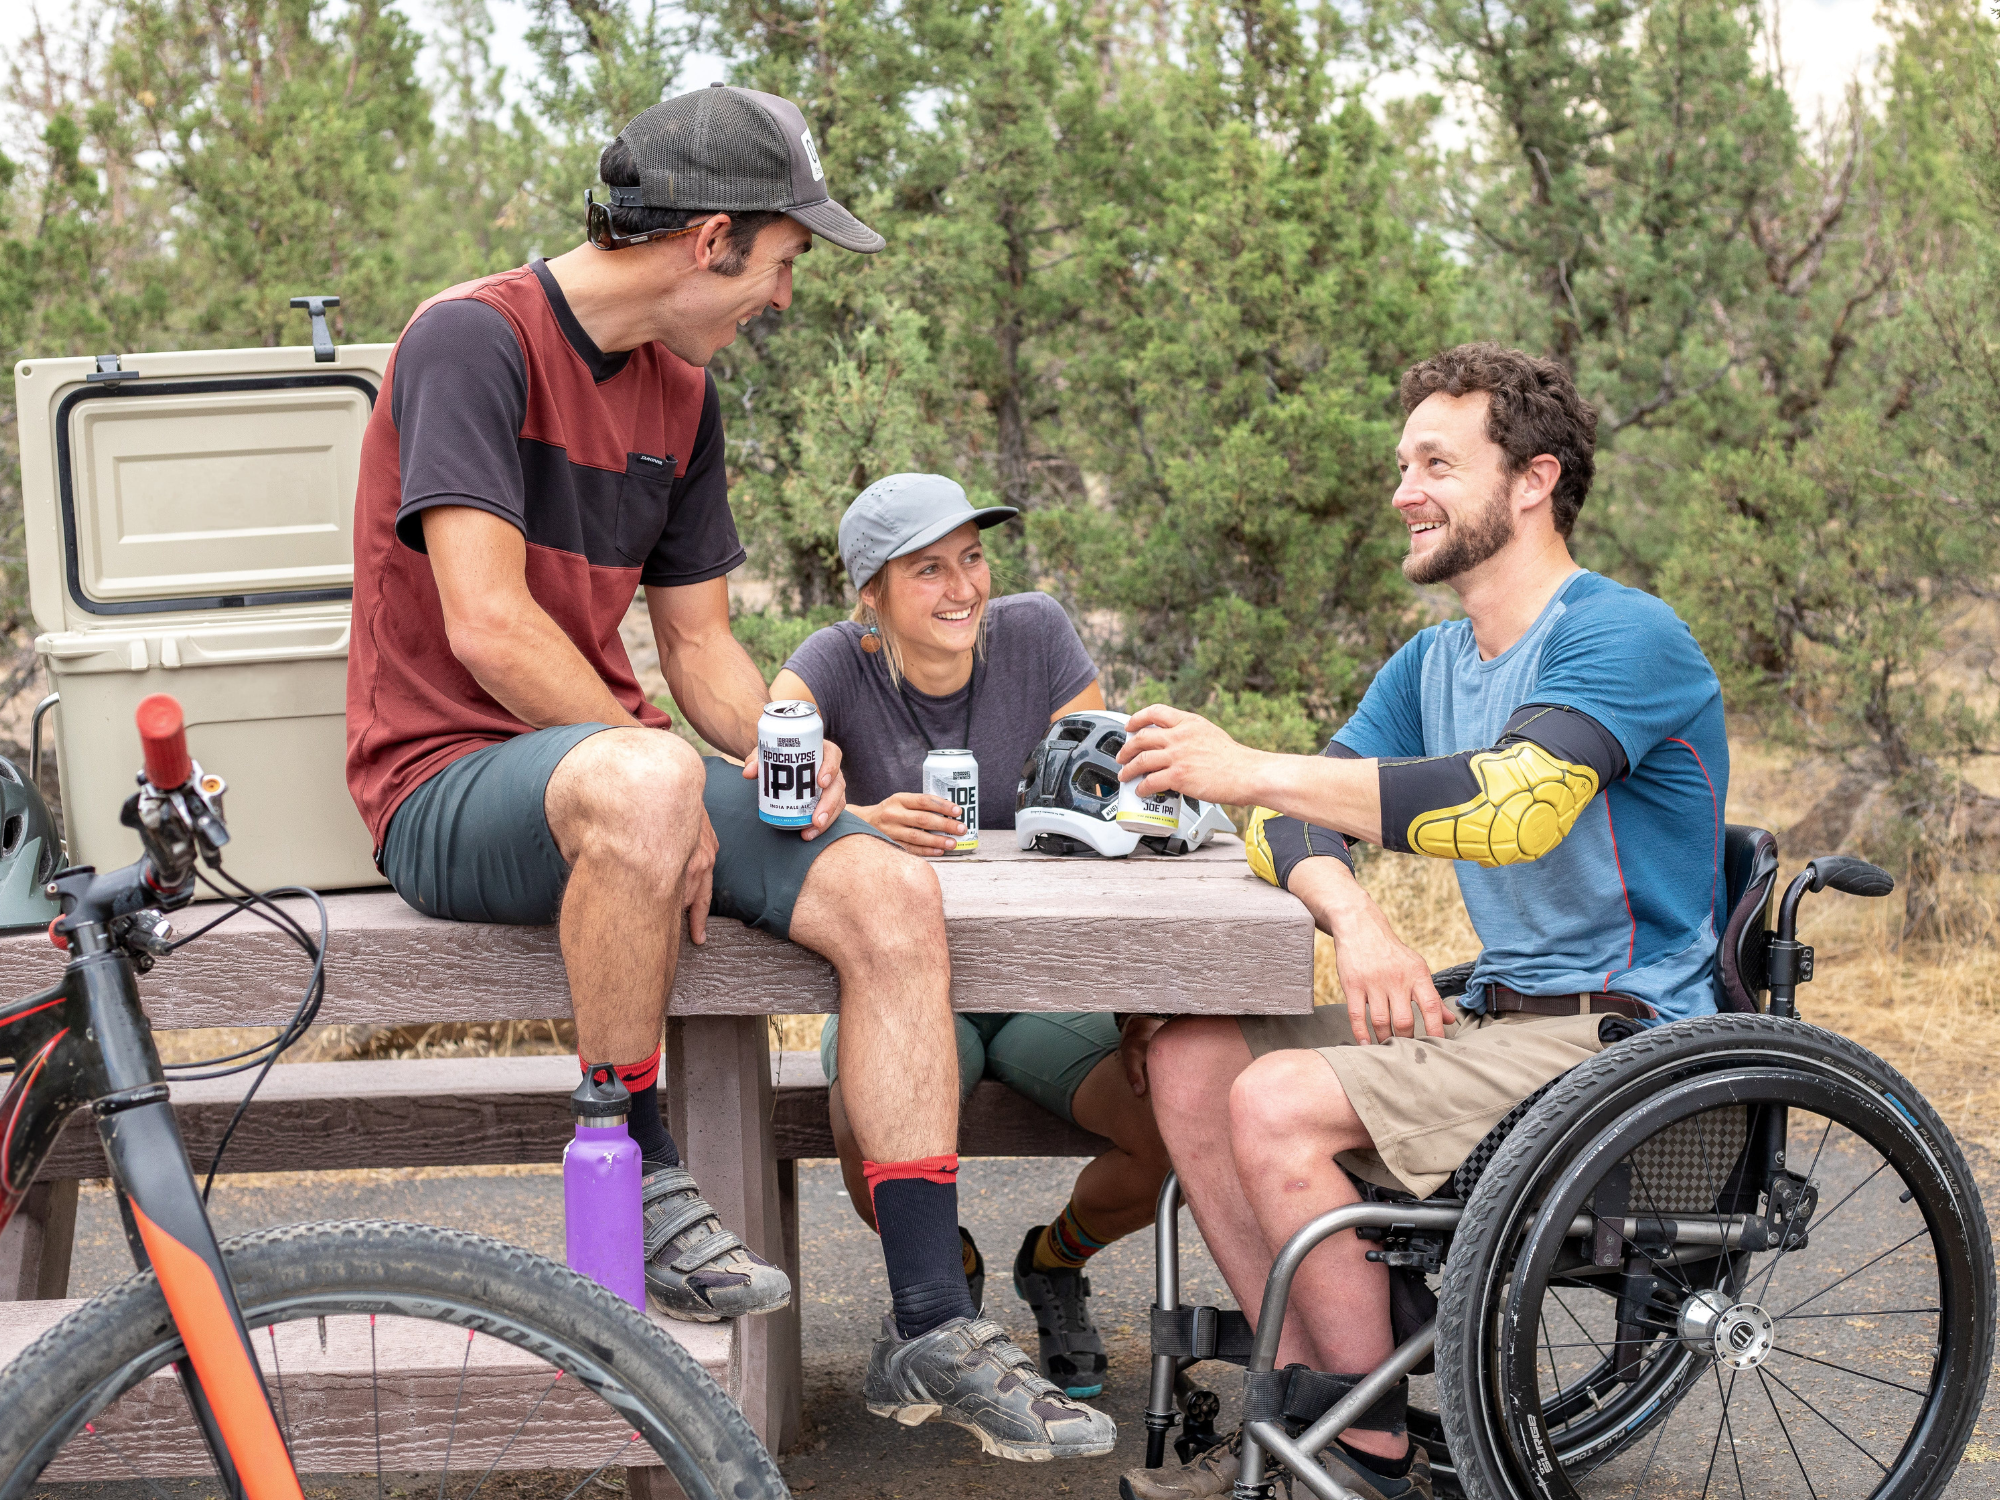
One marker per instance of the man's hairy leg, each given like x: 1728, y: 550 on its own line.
x: 1288, y: 1118
x: 877, y: 915
x: 625, y: 808
x: 1192, y: 1065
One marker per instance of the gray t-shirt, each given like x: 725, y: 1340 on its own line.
x: 1034, y: 664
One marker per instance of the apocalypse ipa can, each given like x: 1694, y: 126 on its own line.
x: 789, y: 738
x: 954, y: 776
x: 1147, y: 816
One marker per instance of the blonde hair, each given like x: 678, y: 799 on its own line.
x: 892, y: 653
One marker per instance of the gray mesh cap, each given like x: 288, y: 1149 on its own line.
x: 728, y: 150
x: 905, y: 513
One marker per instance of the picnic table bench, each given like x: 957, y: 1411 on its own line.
x: 1198, y: 934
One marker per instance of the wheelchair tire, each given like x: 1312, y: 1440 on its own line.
x: 1675, y: 1330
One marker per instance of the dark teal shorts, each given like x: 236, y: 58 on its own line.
x: 1041, y: 1055
x: 472, y: 843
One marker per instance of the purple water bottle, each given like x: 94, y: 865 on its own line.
x: 604, y: 1229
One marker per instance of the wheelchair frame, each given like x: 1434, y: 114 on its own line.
x: 1758, y: 959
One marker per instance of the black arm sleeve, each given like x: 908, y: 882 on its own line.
x: 1276, y: 843
x: 1499, y: 806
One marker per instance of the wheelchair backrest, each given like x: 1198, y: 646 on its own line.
x: 1750, y: 879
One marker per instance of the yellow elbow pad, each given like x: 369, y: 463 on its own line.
x: 1257, y: 845
x: 1528, y: 801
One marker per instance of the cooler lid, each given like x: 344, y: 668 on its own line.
x: 211, y: 480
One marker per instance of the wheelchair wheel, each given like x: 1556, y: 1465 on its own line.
x: 1731, y: 1255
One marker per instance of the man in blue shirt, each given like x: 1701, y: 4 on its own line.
x: 1564, y: 745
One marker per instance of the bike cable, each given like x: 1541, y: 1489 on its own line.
x: 263, y: 1056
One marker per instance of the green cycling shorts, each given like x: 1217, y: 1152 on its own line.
x: 1041, y: 1055
x: 472, y: 843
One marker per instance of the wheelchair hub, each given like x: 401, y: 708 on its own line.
x: 1739, y: 1335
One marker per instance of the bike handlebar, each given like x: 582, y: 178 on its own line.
x: 163, y: 734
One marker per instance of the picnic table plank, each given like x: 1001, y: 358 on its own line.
x: 1028, y: 932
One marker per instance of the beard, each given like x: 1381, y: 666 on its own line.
x: 1466, y: 544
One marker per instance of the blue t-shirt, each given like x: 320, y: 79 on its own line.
x: 1631, y: 900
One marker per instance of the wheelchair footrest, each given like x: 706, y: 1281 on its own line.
x: 1299, y: 1397
x: 1198, y: 1333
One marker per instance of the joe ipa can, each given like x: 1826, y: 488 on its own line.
x: 790, y: 736
x: 954, y: 776
x: 1147, y: 816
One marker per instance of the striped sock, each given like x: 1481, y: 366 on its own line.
x: 1066, y: 1244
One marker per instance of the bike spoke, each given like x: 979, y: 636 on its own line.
x: 1846, y: 1370
x: 457, y: 1405
x: 1574, y: 1319
x: 1734, y: 1458
x: 1788, y: 1435
x: 1786, y: 1386
x: 278, y: 1374
x: 519, y: 1428
x: 1852, y: 1274
x: 602, y: 1467
x: 1715, y: 1448
x: 1873, y: 1312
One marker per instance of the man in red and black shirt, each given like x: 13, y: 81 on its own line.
x: 547, y: 442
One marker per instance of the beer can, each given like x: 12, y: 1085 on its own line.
x: 954, y: 776
x: 790, y: 736
x: 1147, y: 816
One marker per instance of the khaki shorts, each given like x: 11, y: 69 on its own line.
x: 1427, y: 1101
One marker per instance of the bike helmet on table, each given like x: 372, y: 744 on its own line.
x: 29, y: 852
x: 1067, y: 801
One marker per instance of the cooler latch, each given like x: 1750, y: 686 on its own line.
x: 108, y: 371
x: 322, y: 340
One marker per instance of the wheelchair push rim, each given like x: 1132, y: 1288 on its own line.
x: 1726, y: 1383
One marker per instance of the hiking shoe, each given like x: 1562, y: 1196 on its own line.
x: 1208, y: 1474
x: 975, y: 1279
x: 1072, y: 1353
x: 970, y: 1373
x: 1366, y: 1483
x: 696, y: 1270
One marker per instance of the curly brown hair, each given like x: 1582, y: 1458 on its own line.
x: 1532, y: 408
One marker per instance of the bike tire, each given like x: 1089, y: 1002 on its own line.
x: 100, y: 1352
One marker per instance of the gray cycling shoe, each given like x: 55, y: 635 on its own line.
x: 696, y: 1270
x: 971, y: 1374
x: 1072, y: 1353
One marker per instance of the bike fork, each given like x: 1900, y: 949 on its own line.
x: 168, y: 1226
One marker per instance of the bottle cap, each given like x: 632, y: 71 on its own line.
x: 601, y: 1095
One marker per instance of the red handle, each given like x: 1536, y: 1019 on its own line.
x: 162, y: 733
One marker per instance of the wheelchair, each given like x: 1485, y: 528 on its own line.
x: 1734, y: 1254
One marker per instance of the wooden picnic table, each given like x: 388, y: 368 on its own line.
x: 1194, y: 935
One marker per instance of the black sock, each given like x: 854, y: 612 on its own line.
x: 923, y: 1253
x: 649, y: 1131
x: 1374, y: 1463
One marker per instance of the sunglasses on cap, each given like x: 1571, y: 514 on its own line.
x: 597, y: 222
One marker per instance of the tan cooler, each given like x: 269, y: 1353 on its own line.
x: 189, y: 525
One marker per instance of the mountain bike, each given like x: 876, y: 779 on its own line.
x: 315, y: 1348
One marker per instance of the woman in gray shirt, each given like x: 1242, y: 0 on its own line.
x: 932, y: 661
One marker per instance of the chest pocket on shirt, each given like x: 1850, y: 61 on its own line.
x: 643, y: 500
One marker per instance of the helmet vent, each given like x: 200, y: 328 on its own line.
x: 1072, y: 733
x: 10, y: 835
x: 1095, y: 782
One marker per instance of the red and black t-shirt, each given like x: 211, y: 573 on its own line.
x: 610, y: 464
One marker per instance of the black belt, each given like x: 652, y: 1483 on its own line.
x: 1500, y: 999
